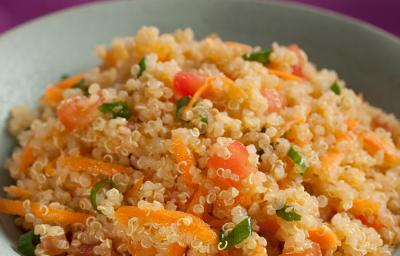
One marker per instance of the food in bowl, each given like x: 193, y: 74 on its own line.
x: 172, y: 146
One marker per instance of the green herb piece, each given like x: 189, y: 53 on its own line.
x: 96, y: 188
x: 335, y: 88
x: 181, y: 104
x: 260, y: 56
x: 238, y: 234
x: 288, y: 215
x: 27, y: 243
x: 64, y: 76
x: 298, y: 160
x: 204, y: 119
x: 81, y: 85
x: 142, y: 66
x: 116, y: 109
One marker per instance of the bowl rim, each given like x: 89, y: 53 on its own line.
x: 322, y: 12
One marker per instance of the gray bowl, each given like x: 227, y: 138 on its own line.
x: 35, y: 54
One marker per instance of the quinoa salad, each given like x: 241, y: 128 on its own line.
x: 172, y: 146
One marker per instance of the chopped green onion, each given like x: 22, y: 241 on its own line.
x: 64, y: 76
x: 27, y: 243
x: 238, y: 234
x: 261, y: 56
x: 204, y: 119
x: 142, y: 66
x: 335, y: 88
x: 116, y: 109
x: 81, y: 85
x: 96, y: 188
x: 288, y: 215
x: 180, y: 104
x: 298, y: 160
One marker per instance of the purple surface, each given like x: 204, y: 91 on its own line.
x: 382, y: 13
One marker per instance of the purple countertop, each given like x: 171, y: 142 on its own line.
x: 382, y: 13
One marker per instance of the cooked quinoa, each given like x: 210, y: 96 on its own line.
x: 172, y: 146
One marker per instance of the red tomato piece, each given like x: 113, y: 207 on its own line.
x: 187, y: 83
x: 238, y: 163
x: 78, y: 113
x: 276, y: 101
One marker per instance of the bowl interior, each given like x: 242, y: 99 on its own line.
x: 36, y: 54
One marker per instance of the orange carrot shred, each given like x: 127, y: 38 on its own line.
x: 196, y: 200
x: 324, y: 236
x: 54, y: 93
x: 27, y: 158
x: 284, y: 75
x: 175, y: 250
x: 15, y: 191
x: 196, y: 228
x: 183, y: 157
x: 53, y: 215
x: 84, y: 164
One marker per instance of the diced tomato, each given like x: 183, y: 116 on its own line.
x: 276, y: 101
x: 187, y: 83
x: 313, y: 251
x: 298, y: 68
x: 238, y: 163
x: 78, y: 113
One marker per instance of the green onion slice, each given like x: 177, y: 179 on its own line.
x: 238, y: 234
x: 335, y: 88
x: 142, y: 66
x: 27, y: 243
x: 288, y: 215
x: 260, y: 56
x: 180, y: 104
x: 116, y: 109
x: 96, y: 188
x: 204, y: 119
x: 298, y: 160
x: 64, y: 76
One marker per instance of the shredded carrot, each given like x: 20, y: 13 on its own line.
x: 342, y: 136
x: 15, y: 191
x: 373, y: 144
x: 26, y: 158
x: 201, y: 192
x: 84, y: 164
x: 323, y: 236
x: 241, y: 46
x: 197, y: 228
x: 54, y: 216
x: 332, y: 158
x: 284, y: 75
x: 135, y: 188
x: 183, y: 157
x: 134, y: 248
x: 288, y: 125
x: 202, y: 89
x: 175, y: 250
x: 368, y: 212
x: 351, y: 123
x: 54, y: 93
